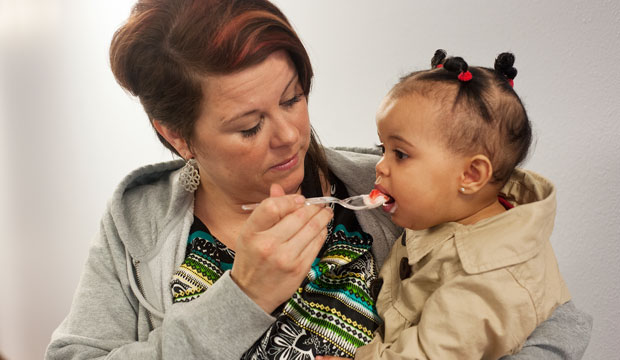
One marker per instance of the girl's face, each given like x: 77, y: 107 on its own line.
x: 254, y: 131
x: 417, y: 169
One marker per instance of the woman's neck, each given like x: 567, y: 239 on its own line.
x: 220, y: 215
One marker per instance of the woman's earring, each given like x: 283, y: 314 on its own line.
x: 462, y: 190
x: 190, y: 178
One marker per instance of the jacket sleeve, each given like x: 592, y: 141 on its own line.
x: 564, y: 336
x: 106, y: 321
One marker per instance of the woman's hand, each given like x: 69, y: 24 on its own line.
x: 277, y: 246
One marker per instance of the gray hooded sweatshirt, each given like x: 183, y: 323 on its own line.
x: 122, y: 308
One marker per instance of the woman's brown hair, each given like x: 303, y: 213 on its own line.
x: 166, y: 48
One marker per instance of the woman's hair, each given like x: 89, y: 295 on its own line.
x: 480, y: 111
x: 166, y: 49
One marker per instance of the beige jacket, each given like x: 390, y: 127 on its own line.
x: 476, y: 291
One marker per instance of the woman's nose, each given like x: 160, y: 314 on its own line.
x: 285, y: 133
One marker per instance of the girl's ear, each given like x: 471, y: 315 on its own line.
x: 477, y: 173
x: 174, y: 138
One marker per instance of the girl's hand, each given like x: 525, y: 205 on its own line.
x: 277, y: 246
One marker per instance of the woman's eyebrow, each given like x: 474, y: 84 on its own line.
x: 293, y: 78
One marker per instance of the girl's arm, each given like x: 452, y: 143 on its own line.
x: 460, y: 322
x: 564, y: 336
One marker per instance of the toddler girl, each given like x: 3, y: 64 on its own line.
x: 474, y: 272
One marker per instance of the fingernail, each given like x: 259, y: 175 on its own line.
x: 299, y: 199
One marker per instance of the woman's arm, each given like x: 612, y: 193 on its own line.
x: 107, y: 321
x: 565, y: 335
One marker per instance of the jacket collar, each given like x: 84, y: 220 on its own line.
x: 502, y: 240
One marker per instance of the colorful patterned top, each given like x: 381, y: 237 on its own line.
x: 332, y: 313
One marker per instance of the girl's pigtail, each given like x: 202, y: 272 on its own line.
x: 504, y: 65
x: 459, y: 66
x: 438, y: 58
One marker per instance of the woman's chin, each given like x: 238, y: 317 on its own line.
x: 292, y: 183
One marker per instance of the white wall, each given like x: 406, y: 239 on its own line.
x: 68, y: 133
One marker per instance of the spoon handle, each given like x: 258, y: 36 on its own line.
x: 309, y: 201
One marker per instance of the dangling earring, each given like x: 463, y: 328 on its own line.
x: 190, y: 178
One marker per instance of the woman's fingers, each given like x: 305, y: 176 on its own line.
x: 303, y: 223
x: 272, y: 210
x: 277, y: 246
x: 276, y: 190
x: 313, y: 223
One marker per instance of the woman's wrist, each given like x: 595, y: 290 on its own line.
x: 262, y: 302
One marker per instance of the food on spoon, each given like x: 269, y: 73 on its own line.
x: 375, y: 197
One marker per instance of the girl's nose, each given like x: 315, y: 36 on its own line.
x: 381, y: 169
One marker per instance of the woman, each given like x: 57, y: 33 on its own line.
x: 225, y: 85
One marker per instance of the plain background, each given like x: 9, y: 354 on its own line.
x: 68, y: 133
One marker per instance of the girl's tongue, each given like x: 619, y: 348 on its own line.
x: 390, y: 206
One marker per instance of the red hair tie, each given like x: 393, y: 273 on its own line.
x: 511, y: 82
x: 465, y: 76
x: 439, y: 66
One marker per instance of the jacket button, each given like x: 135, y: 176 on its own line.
x: 375, y: 287
x: 405, y: 269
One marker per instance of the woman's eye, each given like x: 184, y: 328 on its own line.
x: 292, y: 101
x: 254, y: 130
x: 400, y: 155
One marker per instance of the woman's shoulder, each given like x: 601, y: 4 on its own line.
x: 354, y: 166
x: 145, y: 180
x: 354, y: 154
x: 147, y: 200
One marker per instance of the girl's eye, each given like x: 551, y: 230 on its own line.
x: 400, y: 155
x: 292, y: 101
x: 253, y: 131
x: 381, y: 147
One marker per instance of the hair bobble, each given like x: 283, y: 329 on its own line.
x: 459, y: 68
x: 438, y: 58
x: 504, y: 66
x: 465, y: 76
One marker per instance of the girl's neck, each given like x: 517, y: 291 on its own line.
x: 488, y: 210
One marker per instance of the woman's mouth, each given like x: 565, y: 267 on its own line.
x: 287, y: 164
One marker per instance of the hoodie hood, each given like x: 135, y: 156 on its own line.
x: 147, y: 203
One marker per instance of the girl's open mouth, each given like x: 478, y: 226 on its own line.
x: 390, y: 205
